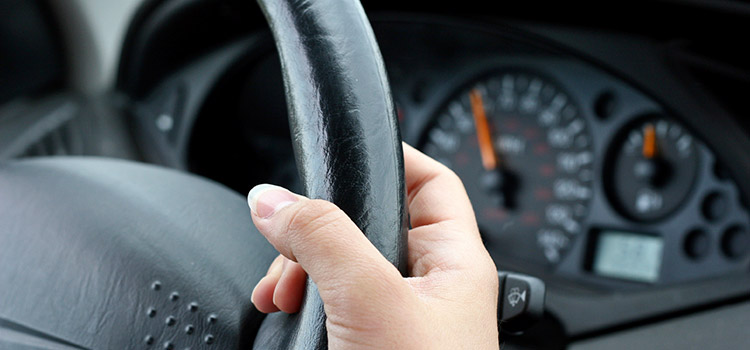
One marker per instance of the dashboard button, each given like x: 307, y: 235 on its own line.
x: 735, y: 242
x: 605, y: 105
x: 714, y: 206
x: 697, y: 244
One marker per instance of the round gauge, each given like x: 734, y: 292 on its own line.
x: 653, y: 167
x: 524, y: 153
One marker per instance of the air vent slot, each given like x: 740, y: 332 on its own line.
x: 66, y: 140
x: 40, y: 127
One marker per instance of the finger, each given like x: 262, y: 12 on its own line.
x: 291, y: 287
x: 276, y: 265
x: 262, y: 296
x: 434, y: 192
x: 325, y: 242
x: 444, y: 235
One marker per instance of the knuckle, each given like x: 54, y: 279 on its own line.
x: 368, y: 284
x: 493, y: 279
x: 452, y: 177
x: 489, y: 275
x: 313, y: 218
x: 483, y: 269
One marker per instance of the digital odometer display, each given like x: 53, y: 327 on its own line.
x: 626, y: 255
x: 524, y: 153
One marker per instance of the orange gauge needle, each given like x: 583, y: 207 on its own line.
x: 649, y: 141
x: 487, y: 150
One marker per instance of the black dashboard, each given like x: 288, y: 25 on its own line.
x: 611, y: 163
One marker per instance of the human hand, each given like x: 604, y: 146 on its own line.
x: 448, y: 302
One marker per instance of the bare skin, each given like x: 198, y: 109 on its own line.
x: 450, y: 300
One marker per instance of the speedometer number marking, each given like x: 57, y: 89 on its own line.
x: 536, y: 194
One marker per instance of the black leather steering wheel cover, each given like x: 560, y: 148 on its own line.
x: 345, y: 135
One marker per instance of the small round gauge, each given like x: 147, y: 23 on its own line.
x: 653, y: 167
x: 524, y: 153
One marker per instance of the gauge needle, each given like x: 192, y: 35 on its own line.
x: 487, y: 150
x: 649, y: 141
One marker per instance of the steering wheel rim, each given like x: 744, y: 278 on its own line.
x: 345, y: 136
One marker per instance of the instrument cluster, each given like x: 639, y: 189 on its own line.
x: 576, y: 173
x: 573, y: 172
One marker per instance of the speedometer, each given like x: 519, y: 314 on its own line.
x: 524, y: 153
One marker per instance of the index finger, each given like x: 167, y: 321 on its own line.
x: 435, y: 193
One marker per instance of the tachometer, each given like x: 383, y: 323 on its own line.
x: 524, y: 153
x: 652, y: 169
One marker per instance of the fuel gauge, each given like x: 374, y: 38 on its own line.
x: 653, y: 166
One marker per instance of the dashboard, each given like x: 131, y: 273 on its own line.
x: 598, y: 161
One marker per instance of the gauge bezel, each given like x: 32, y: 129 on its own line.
x: 518, y: 71
x: 611, y: 159
x: 471, y: 79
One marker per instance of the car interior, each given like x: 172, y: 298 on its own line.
x: 605, y: 148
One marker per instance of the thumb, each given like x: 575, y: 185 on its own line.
x: 326, y: 243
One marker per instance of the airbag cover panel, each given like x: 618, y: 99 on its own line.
x: 111, y: 254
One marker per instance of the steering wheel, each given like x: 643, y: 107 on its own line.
x: 345, y: 133
x: 98, y: 253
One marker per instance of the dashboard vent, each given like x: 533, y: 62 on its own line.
x: 62, y: 141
